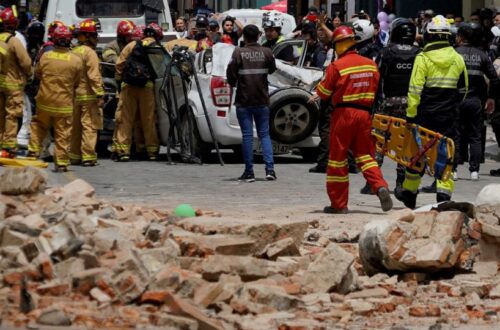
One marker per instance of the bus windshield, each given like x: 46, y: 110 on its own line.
x: 109, y: 8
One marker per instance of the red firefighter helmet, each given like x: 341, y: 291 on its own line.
x: 136, y: 34
x: 154, y: 30
x: 62, y: 36
x: 52, y: 26
x: 342, y: 32
x: 90, y: 26
x: 343, y: 39
x: 9, y: 19
x: 124, y: 29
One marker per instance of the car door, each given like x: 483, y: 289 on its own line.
x: 296, y: 74
x: 160, y: 62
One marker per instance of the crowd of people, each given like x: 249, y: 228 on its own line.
x: 439, y: 72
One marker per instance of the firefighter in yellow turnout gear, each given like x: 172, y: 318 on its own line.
x: 14, y: 72
x: 59, y: 72
x: 438, y: 74
x: 136, y: 98
x: 87, y: 116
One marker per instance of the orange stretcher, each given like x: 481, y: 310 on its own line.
x: 417, y: 148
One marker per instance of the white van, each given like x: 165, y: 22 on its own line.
x: 109, y: 13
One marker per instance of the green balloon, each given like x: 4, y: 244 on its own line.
x: 185, y: 211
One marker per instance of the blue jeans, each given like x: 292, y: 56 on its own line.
x: 246, y: 117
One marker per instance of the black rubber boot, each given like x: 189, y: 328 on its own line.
x: 366, y: 190
x: 431, y: 189
x: 441, y: 197
x: 408, y: 198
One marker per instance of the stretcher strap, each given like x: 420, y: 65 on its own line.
x: 442, y: 158
x: 422, y: 149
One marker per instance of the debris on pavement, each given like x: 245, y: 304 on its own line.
x: 68, y: 258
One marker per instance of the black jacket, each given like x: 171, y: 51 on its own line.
x: 248, y: 71
x: 395, y: 65
x: 479, y: 65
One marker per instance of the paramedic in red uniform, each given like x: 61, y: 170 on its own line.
x: 351, y: 82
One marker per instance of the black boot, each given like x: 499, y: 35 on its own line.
x: 400, y: 176
x: 366, y: 190
x: 408, y: 198
x: 441, y: 197
x: 318, y: 169
x: 429, y: 189
x: 385, y: 199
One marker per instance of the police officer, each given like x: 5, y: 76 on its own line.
x: 87, y: 116
x: 248, y: 70
x: 433, y: 96
x: 478, y: 97
x: 395, y: 64
x: 14, y: 73
x: 137, y: 101
x: 351, y: 83
x: 495, y: 118
x: 59, y: 72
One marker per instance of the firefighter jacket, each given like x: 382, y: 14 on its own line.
x: 122, y: 59
x: 395, y: 63
x: 111, y: 52
x: 478, y: 66
x: 16, y: 64
x: 60, y: 73
x: 351, y: 81
x: 438, y: 74
x: 91, y: 85
x: 248, y: 70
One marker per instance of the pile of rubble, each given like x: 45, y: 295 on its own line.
x: 67, y: 258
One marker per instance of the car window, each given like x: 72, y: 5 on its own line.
x: 109, y: 8
x: 283, y: 50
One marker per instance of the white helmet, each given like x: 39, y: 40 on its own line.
x: 438, y: 25
x: 496, y: 31
x: 272, y: 19
x: 363, y: 29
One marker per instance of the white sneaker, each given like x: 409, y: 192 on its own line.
x: 474, y: 176
x: 455, y: 176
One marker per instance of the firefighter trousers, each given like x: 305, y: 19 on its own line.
x: 137, y: 101
x: 140, y: 147
x: 351, y: 130
x: 40, y: 125
x: 87, y: 121
x: 11, y: 109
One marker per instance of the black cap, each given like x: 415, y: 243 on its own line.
x: 201, y: 21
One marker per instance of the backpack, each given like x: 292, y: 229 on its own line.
x: 137, y: 70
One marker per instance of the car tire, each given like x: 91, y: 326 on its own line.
x: 292, y: 119
x: 201, y: 149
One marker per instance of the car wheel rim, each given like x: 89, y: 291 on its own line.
x: 291, y: 119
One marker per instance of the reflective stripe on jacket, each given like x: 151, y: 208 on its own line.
x: 352, y: 79
x: 59, y: 72
x: 16, y: 63
x: 438, y: 74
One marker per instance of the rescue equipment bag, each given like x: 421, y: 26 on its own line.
x: 137, y: 70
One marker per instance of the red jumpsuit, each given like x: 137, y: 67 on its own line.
x: 351, y: 82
